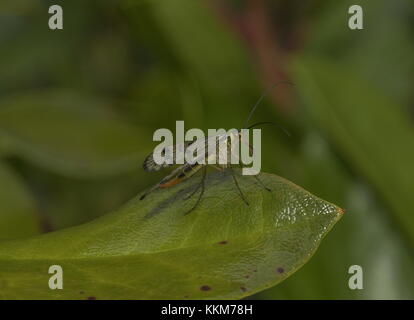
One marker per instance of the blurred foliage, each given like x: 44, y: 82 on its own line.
x: 78, y: 106
x: 86, y: 140
x: 18, y: 214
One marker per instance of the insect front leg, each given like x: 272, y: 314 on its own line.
x: 237, y: 184
x: 256, y: 176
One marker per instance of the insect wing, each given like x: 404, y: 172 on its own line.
x: 197, y: 152
x: 174, y: 154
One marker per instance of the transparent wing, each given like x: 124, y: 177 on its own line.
x: 171, y: 155
x: 210, y: 150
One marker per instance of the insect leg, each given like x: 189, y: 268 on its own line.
x: 221, y: 169
x: 149, y: 191
x: 203, y: 180
x: 194, y: 191
x: 256, y: 177
x: 262, y: 184
x: 237, y: 185
x: 217, y: 167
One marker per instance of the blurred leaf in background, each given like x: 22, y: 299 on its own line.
x: 18, y: 216
x: 71, y: 135
x: 358, y: 151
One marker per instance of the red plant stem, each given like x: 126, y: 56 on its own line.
x: 255, y: 28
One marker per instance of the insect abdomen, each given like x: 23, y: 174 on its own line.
x: 186, y: 172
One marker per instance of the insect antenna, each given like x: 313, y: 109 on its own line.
x: 272, y: 123
x: 264, y: 94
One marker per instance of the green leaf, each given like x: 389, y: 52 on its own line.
x: 367, y: 127
x: 150, y: 250
x: 18, y: 216
x: 380, y: 249
x: 71, y: 134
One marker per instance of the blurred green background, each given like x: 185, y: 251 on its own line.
x: 78, y: 108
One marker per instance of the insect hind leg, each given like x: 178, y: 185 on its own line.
x: 193, y: 192
x: 202, y: 185
x: 149, y: 191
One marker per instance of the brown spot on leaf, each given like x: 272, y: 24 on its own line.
x: 280, y: 270
x: 243, y: 289
x: 223, y: 242
x: 205, y: 288
x: 247, y: 276
x: 91, y: 298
